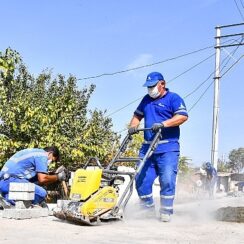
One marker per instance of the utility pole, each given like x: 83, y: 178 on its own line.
x: 215, y: 125
x: 215, y: 129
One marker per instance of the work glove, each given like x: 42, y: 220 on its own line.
x: 60, y: 169
x: 157, y: 126
x: 132, y: 130
x: 62, y: 176
x: 62, y: 173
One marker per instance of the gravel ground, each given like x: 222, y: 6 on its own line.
x: 193, y: 222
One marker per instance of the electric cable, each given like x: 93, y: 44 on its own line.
x: 237, y: 61
x: 213, y: 82
x: 234, y: 40
x: 109, y: 115
x: 242, y: 4
x: 239, y: 10
x: 222, y: 63
x: 205, y: 91
x: 200, y: 96
x: 171, y: 80
x: 210, y: 75
x: 191, y: 68
x: 152, y: 64
x: 147, y: 65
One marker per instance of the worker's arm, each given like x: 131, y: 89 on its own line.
x: 176, y: 120
x: 46, y: 179
x: 135, y: 121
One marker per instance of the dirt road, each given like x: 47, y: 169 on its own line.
x: 192, y: 223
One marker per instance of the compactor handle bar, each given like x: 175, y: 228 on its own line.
x: 128, y: 138
x: 143, y: 129
x: 129, y: 188
x: 91, y: 162
x: 125, y: 143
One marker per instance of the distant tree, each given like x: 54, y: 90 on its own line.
x: 41, y: 111
x: 184, y: 165
x: 222, y: 166
x: 236, y: 160
x: 134, y: 147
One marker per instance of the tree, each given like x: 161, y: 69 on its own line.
x: 222, y: 166
x: 42, y: 111
x: 184, y: 165
x: 236, y: 157
x: 133, y: 148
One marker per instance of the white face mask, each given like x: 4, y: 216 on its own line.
x: 49, y: 161
x: 153, y: 92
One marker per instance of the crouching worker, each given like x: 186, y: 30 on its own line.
x: 30, y: 165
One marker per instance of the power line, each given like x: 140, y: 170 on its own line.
x: 189, y: 94
x: 213, y: 82
x: 204, y: 92
x: 239, y: 10
x: 147, y: 65
x: 231, y: 55
x: 234, y: 40
x: 200, y: 96
x: 211, y: 75
x: 194, y: 66
x: 232, y: 65
x: 191, y: 68
x: 123, y: 107
x: 242, y: 4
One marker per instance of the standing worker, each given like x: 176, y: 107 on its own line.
x: 211, y: 178
x: 165, y: 110
x: 29, y: 165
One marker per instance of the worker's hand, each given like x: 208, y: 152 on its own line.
x: 60, y: 169
x: 157, y: 126
x: 132, y: 130
x: 62, y: 176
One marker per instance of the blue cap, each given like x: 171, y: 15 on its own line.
x: 153, y: 78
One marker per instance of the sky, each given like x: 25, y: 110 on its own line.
x: 90, y: 38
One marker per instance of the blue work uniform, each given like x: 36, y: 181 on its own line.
x: 211, y: 179
x: 164, y: 161
x: 23, y: 167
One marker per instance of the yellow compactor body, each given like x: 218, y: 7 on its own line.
x: 86, y: 189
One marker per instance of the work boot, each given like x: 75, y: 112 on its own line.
x: 164, y: 217
x: 42, y: 204
x: 147, y: 211
x: 4, y: 204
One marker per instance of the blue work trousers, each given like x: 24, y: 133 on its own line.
x: 164, y: 166
x: 211, y: 184
x: 40, y: 193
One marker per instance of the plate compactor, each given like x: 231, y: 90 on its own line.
x: 95, y: 193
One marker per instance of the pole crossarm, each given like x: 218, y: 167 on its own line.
x: 231, y: 45
x: 232, y: 25
x: 224, y: 36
